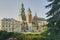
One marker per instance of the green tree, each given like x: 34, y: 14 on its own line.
x: 5, y: 35
x: 54, y: 15
x: 54, y: 18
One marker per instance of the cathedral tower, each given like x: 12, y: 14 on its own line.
x: 35, y: 22
x: 35, y: 17
x: 21, y: 16
x: 28, y: 16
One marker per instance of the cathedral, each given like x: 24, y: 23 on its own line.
x: 25, y: 23
x: 28, y: 22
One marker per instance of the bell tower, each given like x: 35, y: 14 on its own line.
x: 28, y: 16
x: 21, y: 15
x: 35, y: 17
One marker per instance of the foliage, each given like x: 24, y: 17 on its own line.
x: 5, y: 35
x: 54, y: 19
x: 54, y: 14
x: 45, y: 28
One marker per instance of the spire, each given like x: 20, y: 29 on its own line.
x: 22, y: 1
x: 22, y: 5
x: 28, y: 11
x: 28, y: 16
x: 22, y: 13
x: 22, y: 10
x: 36, y: 14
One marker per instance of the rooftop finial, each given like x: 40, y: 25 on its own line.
x: 22, y: 0
x: 29, y: 9
x: 22, y: 4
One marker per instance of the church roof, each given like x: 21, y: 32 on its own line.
x: 42, y: 19
x: 8, y: 19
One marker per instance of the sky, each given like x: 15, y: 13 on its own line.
x: 10, y: 8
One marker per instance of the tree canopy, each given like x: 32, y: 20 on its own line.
x: 54, y: 18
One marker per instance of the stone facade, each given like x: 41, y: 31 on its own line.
x: 10, y: 25
x: 25, y: 23
x: 30, y: 22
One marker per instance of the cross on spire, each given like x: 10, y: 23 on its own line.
x: 22, y: 1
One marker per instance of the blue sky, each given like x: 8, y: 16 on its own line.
x: 10, y: 8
